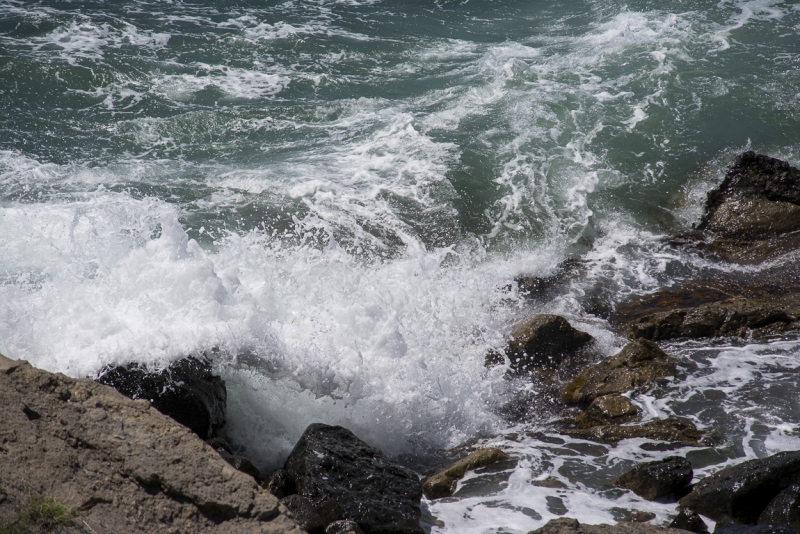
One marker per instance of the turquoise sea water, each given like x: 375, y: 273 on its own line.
x: 334, y: 195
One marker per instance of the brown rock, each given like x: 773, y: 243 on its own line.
x: 671, y: 430
x: 443, y: 483
x: 566, y: 525
x: 118, y: 463
x: 608, y: 410
x: 638, y: 364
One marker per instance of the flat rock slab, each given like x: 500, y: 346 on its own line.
x: 330, y: 462
x: 740, y: 493
x: 119, y: 464
x: 567, y: 525
x: 658, y: 479
x: 443, y: 483
x: 671, y: 430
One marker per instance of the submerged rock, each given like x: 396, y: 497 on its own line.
x: 608, y: 410
x: 671, y: 430
x: 566, y: 525
x: 187, y: 391
x: 654, y: 480
x: 638, y: 364
x: 119, y: 462
x: 443, y: 483
x: 541, y: 342
x: 330, y: 462
x: 741, y: 493
x: 689, y: 521
x: 784, y: 509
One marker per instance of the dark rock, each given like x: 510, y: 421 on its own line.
x: 443, y: 483
x: 343, y: 527
x: 541, y: 342
x: 654, y: 480
x: 330, y: 462
x: 637, y: 516
x: 784, y: 509
x: 691, y: 522
x: 754, y: 529
x: 671, y: 430
x: 566, y: 525
x: 280, y: 484
x: 242, y: 464
x: 187, y: 391
x: 608, y: 410
x: 740, y: 493
x: 542, y: 286
x: 638, y: 364
x: 305, y: 514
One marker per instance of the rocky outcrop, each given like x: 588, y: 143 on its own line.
x: 671, y: 430
x: 118, y: 465
x: 331, y: 463
x: 741, y: 493
x: 541, y: 342
x: 566, y: 525
x: 608, y: 410
x: 187, y: 391
x: 443, y: 483
x: 638, y: 364
x: 658, y: 479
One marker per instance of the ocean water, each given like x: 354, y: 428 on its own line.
x: 333, y: 198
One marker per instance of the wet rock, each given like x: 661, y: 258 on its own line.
x: 608, y: 410
x: 542, y: 286
x: 740, y: 493
x: 343, y: 527
x: 305, y: 514
x: 443, y: 483
x: 754, y: 529
x: 689, y: 521
x: 566, y: 525
x: 637, y: 516
x: 549, y: 482
x: 187, y: 391
x: 330, y: 462
x: 638, y: 364
x: 121, y: 463
x: 654, y: 480
x: 784, y: 509
x: 671, y: 430
x: 541, y: 342
x: 280, y: 484
x: 242, y: 464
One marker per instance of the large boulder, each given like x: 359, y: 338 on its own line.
x: 784, y: 509
x: 638, y: 364
x: 443, y: 483
x: 567, y: 525
x: 119, y: 463
x: 541, y: 342
x: 187, y: 391
x: 741, y: 493
x: 658, y: 479
x: 330, y: 462
x: 608, y: 410
x: 671, y: 430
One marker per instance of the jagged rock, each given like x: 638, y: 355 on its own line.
x: 754, y: 529
x: 187, y: 391
x: 330, y: 462
x: 638, y: 364
x: 443, y: 483
x: 566, y: 525
x: 784, y: 509
x: 122, y: 464
x: 608, y: 410
x: 541, y: 342
x: 280, y: 484
x: 305, y: 513
x: 691, y: 522
x: 671, y: 430
x: 740, y: 493
x: 654, y: 480
x: 343, y: 527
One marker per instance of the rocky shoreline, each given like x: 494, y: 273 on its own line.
x: 142, y: 451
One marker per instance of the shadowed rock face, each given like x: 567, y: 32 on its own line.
x: 658, y: 479
x: 691, y: 522
x: 784, y: 509
x: 330, y: 462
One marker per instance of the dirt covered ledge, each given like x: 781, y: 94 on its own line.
x: 78, y: 457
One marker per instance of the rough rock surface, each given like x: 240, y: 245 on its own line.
x: 691, y: 522
x: 638, y: 364
x: 654, y: 480
x: 608, y: 410
x: 740, y: 493
x: 784, y: 509
x: 330, y: 462
x: 119, y: 464
x: 187, y: 391
x: 443, y: 483
x: 671, y: 430
x: 343, y: 527
x: 566, y: 525
x: 305, y: 513
x: 280, y: 484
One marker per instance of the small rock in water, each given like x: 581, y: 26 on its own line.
x: 305, y: 513
x: 637, y: 516
x: 608, y: 410
x: 330, y: 462
x: 187, y: 391
x: 443, y: 483
x: 689, y: 521
x: 672, y: 430
x: 343, y: 527
x: 654, y: 480
x: 280, y: 484
x: 638, y: 364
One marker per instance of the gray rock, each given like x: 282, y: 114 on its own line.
x: 691, y: 522
x: 784, y: 509
x: 121, y: 463
x: 443, y: 483
x: 566, y: 525
x: 330, y: 462
x: 658, y: 479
